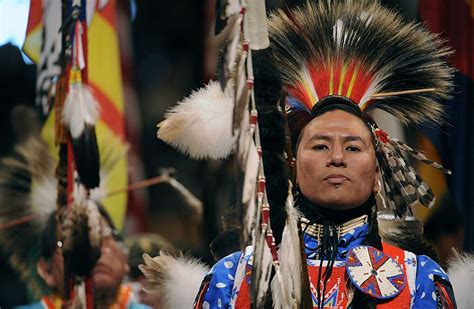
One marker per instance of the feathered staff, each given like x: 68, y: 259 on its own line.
x: 256, y: 102
x: 259, y: 124
x: 76, y: 114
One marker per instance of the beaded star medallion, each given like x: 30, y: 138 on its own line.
x: 374, y: 273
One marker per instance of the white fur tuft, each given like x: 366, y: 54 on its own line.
x: 461, y: 275
x: 175, y: 279
x: 201, y: 124
x: 80, y: 108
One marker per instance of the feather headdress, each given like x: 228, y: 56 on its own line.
x: 27, y: 175
x: 364, y: 52
x: 366, y: 56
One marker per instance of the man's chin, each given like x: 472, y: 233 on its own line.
x: 338, y: 201
x: 104, y: 282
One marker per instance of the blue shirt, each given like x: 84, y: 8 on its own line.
x: 221, y: 285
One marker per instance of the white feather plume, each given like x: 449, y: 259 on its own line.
x: 175, y: 279
x: 201, y: 124
x: 461, y: 275
x: 287, y: 293
x: 80, y: 108
x: 262, y: 267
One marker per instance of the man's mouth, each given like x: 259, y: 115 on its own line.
x: 336, y: 179
x: 100, y: 268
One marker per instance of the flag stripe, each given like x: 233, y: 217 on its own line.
x: 109, y: 112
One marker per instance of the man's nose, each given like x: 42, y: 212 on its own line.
x: 336, y: 157
x: 105, y: 249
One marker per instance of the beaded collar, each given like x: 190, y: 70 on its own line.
x: 316, y: 230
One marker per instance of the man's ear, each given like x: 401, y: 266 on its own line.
x: 44, y: 271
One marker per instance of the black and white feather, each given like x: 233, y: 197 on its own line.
x: 80, y: 114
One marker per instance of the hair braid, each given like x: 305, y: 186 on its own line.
x: 360, y: 299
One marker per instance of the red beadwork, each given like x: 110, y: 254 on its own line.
x: 381, y: 135
x: 261, y: 184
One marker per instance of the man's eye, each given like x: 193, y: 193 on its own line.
x: 319, y: 147
x: 353, y: 149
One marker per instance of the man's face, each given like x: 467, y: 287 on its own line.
x: 52, y: 271
x: 108, y: 273
x: 112, y: 265
x: 335, y: 163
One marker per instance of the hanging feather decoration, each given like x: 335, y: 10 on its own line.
x: 418, y: 155
x: 184, y: 127
x: 81, y: 234
x: 403, y: 186
x: 231, y: 52
x: 80, y: 114
x: 286, y: 291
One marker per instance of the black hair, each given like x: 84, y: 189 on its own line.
x: 225, y: 243
x: 48, y: 237
x: 373, y: 239
x: 322, y: 215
